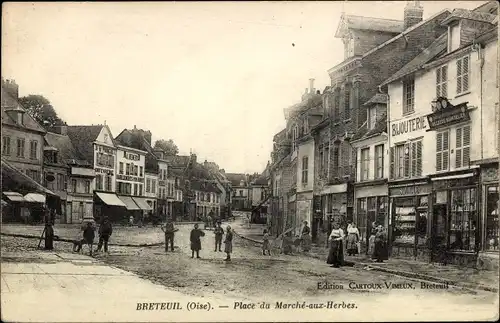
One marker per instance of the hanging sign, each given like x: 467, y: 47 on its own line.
x: 446, y: 114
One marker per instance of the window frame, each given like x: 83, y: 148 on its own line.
x: 461, y: 73
x: 460, y: 146
x: 442, y: 81
x: 365, y: 163
x: 440, y: 150
x: 408, y: 96
x: 6, y: 145
x: 379, y: 161
x: 305, y: 170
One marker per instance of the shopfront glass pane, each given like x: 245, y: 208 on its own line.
x: 383, y: 206
x: 492, y: 228
x: 404, y: 220
x: 361, y: 217
x: 463, y: 222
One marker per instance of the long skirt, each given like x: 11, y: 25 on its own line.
x: 336, y: 253
x: 380, y: 251
x: 265, y: 245
x: 228, y: 246
x: 371, y: 245
x: 196, y: 245
x: 352, y: 246
x: 306, y: 242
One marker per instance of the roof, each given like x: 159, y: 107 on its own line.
x: 15, y: 180
x: 369, y: 23
x: 82, y: 138
x: 379, y: 98
x: 260, y: 181
x: 136, y: 138
x: 236, y: 178
x: 65, y: 148
x: 205, y: 186
x: 177, y: 160
x: 460, y: 13
x: 435, y: 49
x: 380, y: 127
x: 28, y: 121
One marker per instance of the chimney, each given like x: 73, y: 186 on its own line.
x: 147, y: 136
x: 62, y: 129
x: 311, y: 86
x: 413, y: 14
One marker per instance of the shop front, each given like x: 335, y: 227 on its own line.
x: 409, y: 219
x: 290, y: 221
x: 372, y: 206
x: 489, y: 253
x: 456, y: 233
x: 304, y: 209
x: 337, y: 204
x: 106, y: 203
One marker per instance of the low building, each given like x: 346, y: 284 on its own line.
x: 207, y: 197
x: 240, y: 192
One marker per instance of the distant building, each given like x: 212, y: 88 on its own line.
x: 240, y: 191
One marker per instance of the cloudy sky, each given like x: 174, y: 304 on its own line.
x: 214, y: 77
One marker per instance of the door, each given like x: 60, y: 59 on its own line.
x: 438, y: 234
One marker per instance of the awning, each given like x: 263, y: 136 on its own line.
x: 110, y: 199
x: 129, y: 203
x: 143, y: 204
x: 14, y: 196
x: 452, y: 177
x: 35, y: 198
x: 14, y: 179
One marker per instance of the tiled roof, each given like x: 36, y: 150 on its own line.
x: 380, y: 127
x: 379, y: 98
x: 65, y: 148
x: 236, y: 178
x: 28, y: 121
x: 260, y: 181
x: 204, y: 186
x: 178, y: 160
x: 82, y: 138
x: 370, y: 23
x: 471, y: 15
x: 434, y: 49
x: 136, y: 139
x: 15, y: 180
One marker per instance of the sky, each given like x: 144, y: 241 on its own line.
x: 213, y: 76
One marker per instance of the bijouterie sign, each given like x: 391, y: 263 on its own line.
x: 406, y: 126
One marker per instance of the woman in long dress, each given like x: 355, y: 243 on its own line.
x: 228, y: 243
x: 195, y: 240
x: 380, y: 245
x: 352, y: 239
x: 306, y: 238
x: 371, y: 240
x: 336, y: 253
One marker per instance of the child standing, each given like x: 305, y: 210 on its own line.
x: 265, y: 245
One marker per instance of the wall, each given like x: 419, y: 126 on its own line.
x: 103, y: 141
x: 306, y: 149
x: 370, y: 143
x: 138, y: 179
x: 256, y: 195
x: 153, y: 187
x: 490, y: 101
x: 364, y: 40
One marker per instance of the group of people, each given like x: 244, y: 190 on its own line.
x: 377, y: 243
x: 105, y: 230
x: 195, y: 238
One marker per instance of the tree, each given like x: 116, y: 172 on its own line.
x: 168, y: 146
x: 41, y: 110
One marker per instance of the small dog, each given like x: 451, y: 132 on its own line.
x: 78, y: 245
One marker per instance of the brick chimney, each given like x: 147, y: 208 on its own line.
x: 62, y: 129
x: 311, y: 86
x: 413, y: 13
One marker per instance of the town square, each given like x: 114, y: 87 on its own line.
x: 156, y: 175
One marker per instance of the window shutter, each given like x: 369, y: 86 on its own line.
x: 439, y: 148
x: 419, y: 158
x: 465, y: 73
x: 459, y: 76
x: 446, y: 150
x: 438, y: 82
x: 406, y: 160
x: 413, y: 159
x: 444, y: 81
x: 458, y: 152
x: 466, y: 146
x: 391, y: 157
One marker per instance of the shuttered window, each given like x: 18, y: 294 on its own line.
x: 336, y: 105
x: 365, y: 163
x: 442, y: 81
x: 416, y: 158
x: 442, y: 151
x: 379, y: 161
x: 406, y: 160
x: 305, y: 169
x: 462, y: 152
x: 408, y: 96
x: 463, y: 75
x: 347, y: 103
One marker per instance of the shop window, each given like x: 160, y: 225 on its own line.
x: 421, y: 220
x: 361, y: 218
x: 382, y: 208
x: 462, y: 151
x: 463, y: 221
x: 442, y: 150
x: 404, y: 220
x: 492, y: 228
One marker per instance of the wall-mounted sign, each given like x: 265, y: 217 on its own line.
x: 104, y: 171
x: 406, y: 126
x: 131, y: 156
x: 129, y: 178
x: 446, y: 114
x: 409, y: 190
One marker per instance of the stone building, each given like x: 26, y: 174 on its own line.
x: 240, y: 188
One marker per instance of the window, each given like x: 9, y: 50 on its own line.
x: 365, y: 163
x: 462, y: 152
x: 33, y: 149
x: 121, y: 167
x: 491, y: 234
x: 140, y: 171
x: 295, y: 134
x: 127, y: 169
x: 442, y: 151
x: 153, y: 186
x: 442, y: 81
x: 361, y: 218
x: 20, y: 147
x: 336, y: 160
x: 6, y: 146
x: 416, y: 158
x: 108, y: 183
x: 98, y: 182
x: 148, y: 185
x: 379, y: 161
x: 140, y: 189
x: 463, y: 223
x: 136, y: 170
x: 406, y: 160
x: 372, y: 117
x: 135, y: 188
x: 73, y: 185
x: 87, y: 186
x: 305, y: 169
x: 463, y: 75
x: 347, y: 103
x: 408, y: 96
x: 241, y: 192
x: 336, y: 105
x: 61, y: 182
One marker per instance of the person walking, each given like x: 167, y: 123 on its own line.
x: 352, y: 239
x: 88, y: 238
x: 219, y: 232
x: 371, y: 240
x: 265, y: 243
x: 306, y: 238
x: 105, y: 231
x: 169, y: 231
x: 195, y: 236
x: 336, y: 252
x: 228, y: 243
x: 379, y: 252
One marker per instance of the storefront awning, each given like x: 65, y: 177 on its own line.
x: 14, y: 196
x: 452, y: 177
x: 143, y: 204
x: 15, y: 180
x: 110, y: 199
x: 35, y: 198
x: 129, y: 203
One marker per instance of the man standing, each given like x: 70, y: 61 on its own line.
x: 219, y: 232
x: 169, y: 230
x: 105, y: 231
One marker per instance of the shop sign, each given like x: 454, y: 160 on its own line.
x: 131, y: 156
x: 406, y: 126
x: 409, y: 190
x: 104, y: 171
x: 129, y: 178
x: 446, y: 114
x: 452, y: 183
x: 489, y: 174
x: 161, y: 183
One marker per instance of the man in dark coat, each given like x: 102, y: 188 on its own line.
x: 105, y: 231
x: 49, y: 236
x: 219, y: 232
x: 88, y: 237
x: 169, y: 230
x: 195, y: 236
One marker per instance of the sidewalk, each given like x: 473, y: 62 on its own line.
x: 462, y: 277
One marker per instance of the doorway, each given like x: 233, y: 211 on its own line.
x: 438, y: 234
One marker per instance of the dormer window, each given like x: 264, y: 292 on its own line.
x: 453, y: 37
x: 372, y: 117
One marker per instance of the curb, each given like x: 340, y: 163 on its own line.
x: 400, y: 273
x: 27, y: 236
